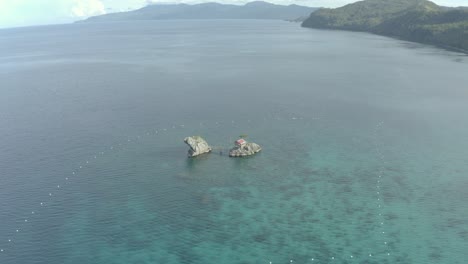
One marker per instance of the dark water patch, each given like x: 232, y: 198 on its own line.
x: 463, y: 234
x: 435, y: 254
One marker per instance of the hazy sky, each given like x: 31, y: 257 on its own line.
x: 14, y: 13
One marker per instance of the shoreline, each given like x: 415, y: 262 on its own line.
x: 440, y: 46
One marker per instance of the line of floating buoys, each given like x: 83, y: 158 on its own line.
x: 381, y: 174
x: 74, y: 173
x: 158, y: 131
x: 378, y: 192
x: 80, y: 166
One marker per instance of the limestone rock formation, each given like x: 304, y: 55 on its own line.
x: 244, y: 148
x: 197, y: 146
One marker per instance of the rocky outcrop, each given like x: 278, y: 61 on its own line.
x: 197, y: 146
x: 246, y: 149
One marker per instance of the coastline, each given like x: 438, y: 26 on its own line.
x: 436, y: 45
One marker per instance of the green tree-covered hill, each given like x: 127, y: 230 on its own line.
x: 413, y: 20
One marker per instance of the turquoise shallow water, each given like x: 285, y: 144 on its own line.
x: 364, y: 161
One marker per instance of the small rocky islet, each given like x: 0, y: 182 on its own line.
x: 197, y: 145
x: 242, y: 148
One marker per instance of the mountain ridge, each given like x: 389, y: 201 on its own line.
x: 209, y: 10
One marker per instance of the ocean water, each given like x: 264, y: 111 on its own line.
x: 365, y: 145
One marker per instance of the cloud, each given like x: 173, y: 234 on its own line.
x: 37, y: 12
x: 86, y: 8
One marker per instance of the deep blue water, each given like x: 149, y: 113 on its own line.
x: 365, y: 145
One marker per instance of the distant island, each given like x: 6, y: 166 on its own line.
x: 413, y: 20
x: 253, y: 10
